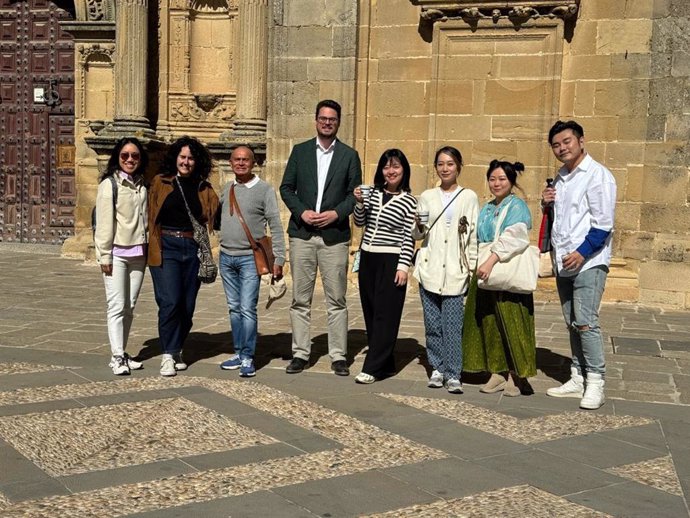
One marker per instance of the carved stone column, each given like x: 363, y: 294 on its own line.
x: 131, y: 42
x: 252, y: 77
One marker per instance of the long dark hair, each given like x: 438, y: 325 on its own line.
x: 114, y: 160
x: 202, y: 158
x: 387, y: 156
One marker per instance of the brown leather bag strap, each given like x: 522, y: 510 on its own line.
x: 233, y: 203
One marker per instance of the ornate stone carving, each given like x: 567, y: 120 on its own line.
x: 185, y: 110
x: 99, y: 10
x: 95, y: 52
x: 211, y: 6
x: 518, y: 12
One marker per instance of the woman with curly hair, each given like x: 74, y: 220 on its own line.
x: 120, y: 242
x: 173, y: 262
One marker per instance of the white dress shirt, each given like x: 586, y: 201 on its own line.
x: 585, y: 198
x: 323, y: 162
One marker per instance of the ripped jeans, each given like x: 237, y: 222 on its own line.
x: 580, y: 299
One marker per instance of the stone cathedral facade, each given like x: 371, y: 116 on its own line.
x: 487, y: 76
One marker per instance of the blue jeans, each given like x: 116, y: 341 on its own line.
x: 176, y: 285
x: 580, y: 299
x: 241, y: 284
x: 443, y: 318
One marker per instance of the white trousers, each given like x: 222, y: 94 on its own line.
x: 121, y: 292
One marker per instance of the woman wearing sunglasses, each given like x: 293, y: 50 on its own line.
x: 120, y: 241
x: 180, y: 192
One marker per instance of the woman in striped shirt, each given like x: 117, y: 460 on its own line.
x: 387, y: 215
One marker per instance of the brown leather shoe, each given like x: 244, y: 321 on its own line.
x: 340, y: 368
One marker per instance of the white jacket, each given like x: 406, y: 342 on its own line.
x: 128, y: 226
x: 439, y: 267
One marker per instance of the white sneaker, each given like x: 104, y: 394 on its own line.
x: 119, y: 365
x: 594, y: 392
x: 454, y: 386
x: 364, y: 378
x: 435, y: 380
x: 168, y: 367
x: 180, y: 365
x: 133, y: 364
x: 574, y: 387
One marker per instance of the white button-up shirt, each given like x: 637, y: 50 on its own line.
x: 585, y: 198
x: 323, y: 162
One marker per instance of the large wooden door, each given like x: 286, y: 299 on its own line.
x: 37, y: 185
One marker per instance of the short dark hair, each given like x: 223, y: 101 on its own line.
x: 562, y: 126
x: 114, y: 160
x: 328, y: 103
x: 387, y: 156
x: 202, y: 158
x: 512, y: 170
x: 453, y: 152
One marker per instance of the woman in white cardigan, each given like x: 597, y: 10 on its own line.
x: 445, y: 260
x: 120, y: 240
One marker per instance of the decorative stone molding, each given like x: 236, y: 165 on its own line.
x: 518, y: 12
x: 95, y: 52
x: 196, y: 110
x: 95, y: 10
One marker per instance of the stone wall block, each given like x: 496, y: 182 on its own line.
x: 578, y: 68
x: 635, y: 245
x: 468, y: 67
x: 403, y: 128
x: 524, y: 127
x: 662, y: 298
x: 395, y: 13
x: 621, y: 36
x: 527, y: 67
x: 633, y: 189
x: 659, y: 217
x: 398, y: 98
x: 678, y: 126
x: 462, y: 128
x: 583, y: 103
x: 680, y: 64
x: 667, y: 154
x: 627, y: 217
x: 455, y: 97
x: 392, y: 42
x: 665, y: 185
x: 621, y: 98
x: 405, y: 69
x: 620, y: 154
x: 484, y: 152
x: 310, y: 42
x: 344, y: 42
x: 331, y: 69
x: 518, y: 97
x: 632, y: 129
x: 585, y: 38
x: 664, y: 94
x: 631, y: 66
x: 659, y: 275
x: 621, y: 176
x: 671, y: 249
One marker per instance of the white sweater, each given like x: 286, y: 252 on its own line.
x: 125, y: 228
x: 439, y: 267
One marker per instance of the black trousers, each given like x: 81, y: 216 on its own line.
x: 382, y: 305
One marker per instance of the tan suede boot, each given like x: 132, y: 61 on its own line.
x: 496, y: 383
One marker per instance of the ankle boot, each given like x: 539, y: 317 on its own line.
x: 594, y: 392
x: 496, y: 383
x: 511, y: 389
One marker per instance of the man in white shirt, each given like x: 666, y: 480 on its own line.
x: 584, y: 199
x: 317, y: 188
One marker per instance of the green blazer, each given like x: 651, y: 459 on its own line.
x: 299, y: 190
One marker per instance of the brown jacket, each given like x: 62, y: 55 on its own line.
x: 160, y: 188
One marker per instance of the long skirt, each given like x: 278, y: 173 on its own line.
x: 498, y: 332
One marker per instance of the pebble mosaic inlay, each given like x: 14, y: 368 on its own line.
x: 7, y: 368
x: 365, y: 447
x: 524, y: 431
x: 659, y: 473
x: 525, y: 501
x: 67, y: 442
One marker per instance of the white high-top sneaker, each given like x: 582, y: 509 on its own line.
x: 594, y: 392
x: 574, y: 387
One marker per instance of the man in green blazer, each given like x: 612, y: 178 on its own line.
x: 317, y: 187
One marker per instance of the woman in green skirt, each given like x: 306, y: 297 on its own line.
x: 498, y: 332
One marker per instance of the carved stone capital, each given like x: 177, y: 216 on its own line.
x: 517, y: 11
x: 88, y: 52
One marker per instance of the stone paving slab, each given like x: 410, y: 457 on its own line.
x: 315, y: 444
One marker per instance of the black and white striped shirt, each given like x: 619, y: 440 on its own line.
x: 388, y: 226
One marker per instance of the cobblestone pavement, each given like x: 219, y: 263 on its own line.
x: 77, y: 441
